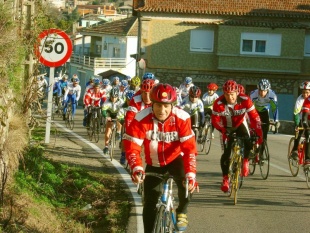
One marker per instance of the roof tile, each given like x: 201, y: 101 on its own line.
x: 229, y: 7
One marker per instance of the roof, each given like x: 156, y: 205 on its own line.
x: 122, y: 27
x: 108, y: 74
x: 280, y: 8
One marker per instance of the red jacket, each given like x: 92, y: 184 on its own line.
x: 306, y: 107
x: 135, y: 105
x: 163, y: 141
x: 224, y: 116
x: 92, y: 98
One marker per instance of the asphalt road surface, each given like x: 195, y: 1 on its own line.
x: 279, y: 204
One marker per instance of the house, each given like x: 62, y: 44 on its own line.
x: 105, y: 47
x: 213, y: 41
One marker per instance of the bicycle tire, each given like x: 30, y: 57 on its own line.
x: 292, y: 163
x: 112, y: 144
x: 53, y: 111
x: 96, y: 129
x: 264, y: 162
x: 90, y: 131
x: 163, y: 222
x: 71, y: 121
x: 307, y: 170
x: 196, y: 132
x: 208, y: 139
x: 252, y: 166
x: 238, y: 180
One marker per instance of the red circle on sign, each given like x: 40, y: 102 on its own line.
x: 65, y: 56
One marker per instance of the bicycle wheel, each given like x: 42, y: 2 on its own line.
x: 307, y: 170
x: 71, y: 121
x: 196, y: 132
x: 96, y: 129
x: 292, y: 163
x: 208, y: 141
x: 252, y: 163
x: 264, y: 162
x: 163, y: 222
x: 238, y: 181
x: 112, y: 144
x: 90, y: 130
x: 53, y: 111
x: 67, y: 118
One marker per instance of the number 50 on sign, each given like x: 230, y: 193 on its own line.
x: 54, y: 47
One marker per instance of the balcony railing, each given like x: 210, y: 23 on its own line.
x: 98, y: 62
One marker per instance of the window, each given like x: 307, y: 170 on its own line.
x: 98, y: 49
x: 116, y: 52
x: 307, y: 45
x: 261, y: 44
x: 202, y: 40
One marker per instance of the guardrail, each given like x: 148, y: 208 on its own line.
x: 98, y: 62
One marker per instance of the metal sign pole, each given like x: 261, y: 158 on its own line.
x: 49, y: 105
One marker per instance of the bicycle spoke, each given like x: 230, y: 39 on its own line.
x: 307, y: 170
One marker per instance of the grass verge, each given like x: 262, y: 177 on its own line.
x: 49, y: 196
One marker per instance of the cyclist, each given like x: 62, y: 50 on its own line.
x: 42, y: 84
x: 241, y: 89
x: 123, y: 88
x: 115, y: 81
x: 139, y: 101
x: 228, y: 116
x: 264, y: 98
x: 121, y: 116
x: 208, y: 99
x: 63, y: 84
x: 165, y: 132
x: 135, y: 84
x: 305, y: 87
x: 90, y: 82
x: 184, y: 87
x: 193, y: 105
x: 106, y: 85
x: 56, y: 92
x: 94, y: 97
x: 110, y: 108
x: 73, y: 93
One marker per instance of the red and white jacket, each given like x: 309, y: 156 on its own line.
x: 225, y: 115
x: 95, y: 99
x: 163, y: 141
x: 136, y: 104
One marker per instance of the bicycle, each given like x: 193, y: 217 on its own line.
x: 204, y: 142
x: 94, y: 128
x: 69, y: 117
x: 112, y: 139
x: 56, y: 107
x: 235, y: 165
x: 165, y: 220
x: 262, y: 159
x: 295, y: 164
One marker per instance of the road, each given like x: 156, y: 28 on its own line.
x: 279, y: 204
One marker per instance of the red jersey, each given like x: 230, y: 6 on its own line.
x: 163, y: 141
x: 92, y: 98
x: 136, y: 104
x: 306, y: 107
x: 233, y: 115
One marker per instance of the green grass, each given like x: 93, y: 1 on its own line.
x: 67, y: 190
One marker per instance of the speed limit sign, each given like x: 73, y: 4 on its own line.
x: 54, y: 48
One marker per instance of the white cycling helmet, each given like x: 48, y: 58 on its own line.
x: 305, y: 86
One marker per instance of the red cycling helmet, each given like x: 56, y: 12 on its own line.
x: 230, y: 86
x: 147, y: 85
x: 241, y: 89
x: 194, y: 92
x: 212, y: 86
x: 163, y: 93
